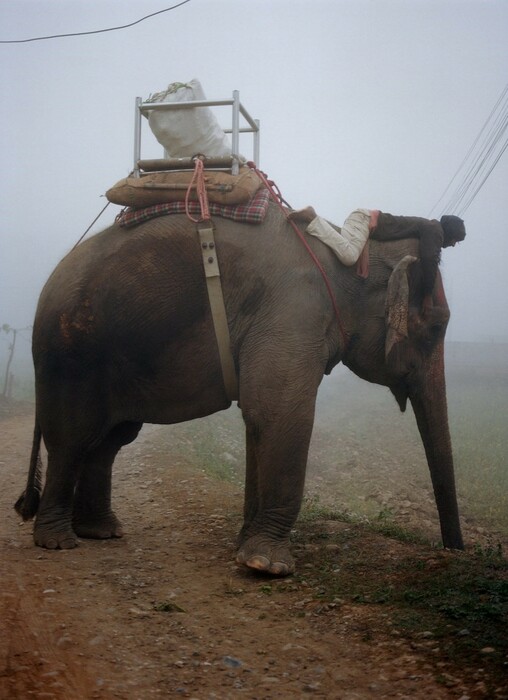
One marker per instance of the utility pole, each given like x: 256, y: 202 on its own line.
x: 12, y: 346
x: 8, y: 377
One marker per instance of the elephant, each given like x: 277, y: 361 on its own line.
x: 123, y: 335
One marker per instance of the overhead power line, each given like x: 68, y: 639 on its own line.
x: 480, y: 160
x: 96, y: 31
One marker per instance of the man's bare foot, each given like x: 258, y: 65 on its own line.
x: 305, y: 215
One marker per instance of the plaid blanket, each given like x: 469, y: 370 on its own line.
x: 251, y: 213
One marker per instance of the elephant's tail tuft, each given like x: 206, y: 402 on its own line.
x: 27, y: 504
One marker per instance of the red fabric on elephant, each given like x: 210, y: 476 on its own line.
x: 251, y: 213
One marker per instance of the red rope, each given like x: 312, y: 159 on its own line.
x: 198, y: 178
x: 279, y: 200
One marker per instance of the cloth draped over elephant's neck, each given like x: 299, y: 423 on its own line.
x: 362, y: 268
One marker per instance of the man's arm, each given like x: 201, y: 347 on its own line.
x: 431, y: 242
x: 430, y: 235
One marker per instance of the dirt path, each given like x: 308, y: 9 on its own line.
x: 164, y: 612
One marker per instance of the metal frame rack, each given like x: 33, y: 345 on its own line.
x: 237, y: 110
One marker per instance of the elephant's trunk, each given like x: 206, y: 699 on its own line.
x: 428, y: 399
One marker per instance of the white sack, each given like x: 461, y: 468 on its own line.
x: 187, y: 131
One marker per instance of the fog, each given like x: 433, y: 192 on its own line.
x: 371, y: 103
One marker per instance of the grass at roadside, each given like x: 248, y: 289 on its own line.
x: 381, y: 523
x: 478, y: 413
x: 386, y: 450
x: 371, y: 458
x: 452, y: 606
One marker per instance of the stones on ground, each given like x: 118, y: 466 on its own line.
x: 232, y: 662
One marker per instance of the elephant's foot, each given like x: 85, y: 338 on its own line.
x: 96, y: 527
x: 52, y: 537
x: 266, y: 555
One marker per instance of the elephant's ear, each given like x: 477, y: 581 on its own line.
x: 397, y: 304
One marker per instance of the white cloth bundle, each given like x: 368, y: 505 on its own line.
x: 187, y: 131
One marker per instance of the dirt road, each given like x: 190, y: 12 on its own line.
x: 164, y: 612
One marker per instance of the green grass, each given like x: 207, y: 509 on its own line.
x: 366, y: 416
x: 382, y: 522
x: 362, y: 445
x: 455, y: 601
x: 478, y: 417
x: 213, y: 444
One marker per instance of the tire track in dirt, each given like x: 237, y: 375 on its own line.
x: 35, y: 655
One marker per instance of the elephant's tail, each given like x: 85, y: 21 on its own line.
x: 27, y: 504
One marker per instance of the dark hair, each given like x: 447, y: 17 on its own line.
x: 453, y: 228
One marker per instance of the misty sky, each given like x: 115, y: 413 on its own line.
x: 362, y: 103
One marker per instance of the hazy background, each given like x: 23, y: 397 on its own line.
x: 370, y: 103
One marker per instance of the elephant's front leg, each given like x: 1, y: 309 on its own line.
x: 277, y: 450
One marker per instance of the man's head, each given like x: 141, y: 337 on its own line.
x: 453, y: 229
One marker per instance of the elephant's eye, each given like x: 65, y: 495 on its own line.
x: 430, y: 336
x: 434, y: 333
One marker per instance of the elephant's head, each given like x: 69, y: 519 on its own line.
x: 413, y: 340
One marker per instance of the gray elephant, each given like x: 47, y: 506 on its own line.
x: 124, y: 335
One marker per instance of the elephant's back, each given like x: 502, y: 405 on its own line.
x: 123, y: 283
x: 116, y: 257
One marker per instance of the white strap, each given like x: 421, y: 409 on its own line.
x: 220, y: 323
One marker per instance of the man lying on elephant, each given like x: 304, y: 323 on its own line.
x: 362, y: 224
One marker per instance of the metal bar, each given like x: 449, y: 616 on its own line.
x: 235, y: 136
x: 253, y: 122
x: 154, y: 164
x: 137, y: 136
x: 157, y: 106
x: 256, y: 143
x: 148, y: 106
x: 148, y: 173
x: 238, y: 109
x: 245, y: 130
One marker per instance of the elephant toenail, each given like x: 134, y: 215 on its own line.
x: 258, y: 562
x: 279, y: 569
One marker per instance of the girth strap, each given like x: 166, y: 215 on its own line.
x: 220, y: 323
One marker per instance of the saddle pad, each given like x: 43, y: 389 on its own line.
x: 251, y: 213
x: 171, y: 186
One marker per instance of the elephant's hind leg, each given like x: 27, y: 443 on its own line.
x: 53, y: 524
x: 93, y: 516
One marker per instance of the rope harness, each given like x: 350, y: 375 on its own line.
x: 280, y: 201
x: 198, y: 179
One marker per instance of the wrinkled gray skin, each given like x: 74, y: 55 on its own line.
x: 123, y: 335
